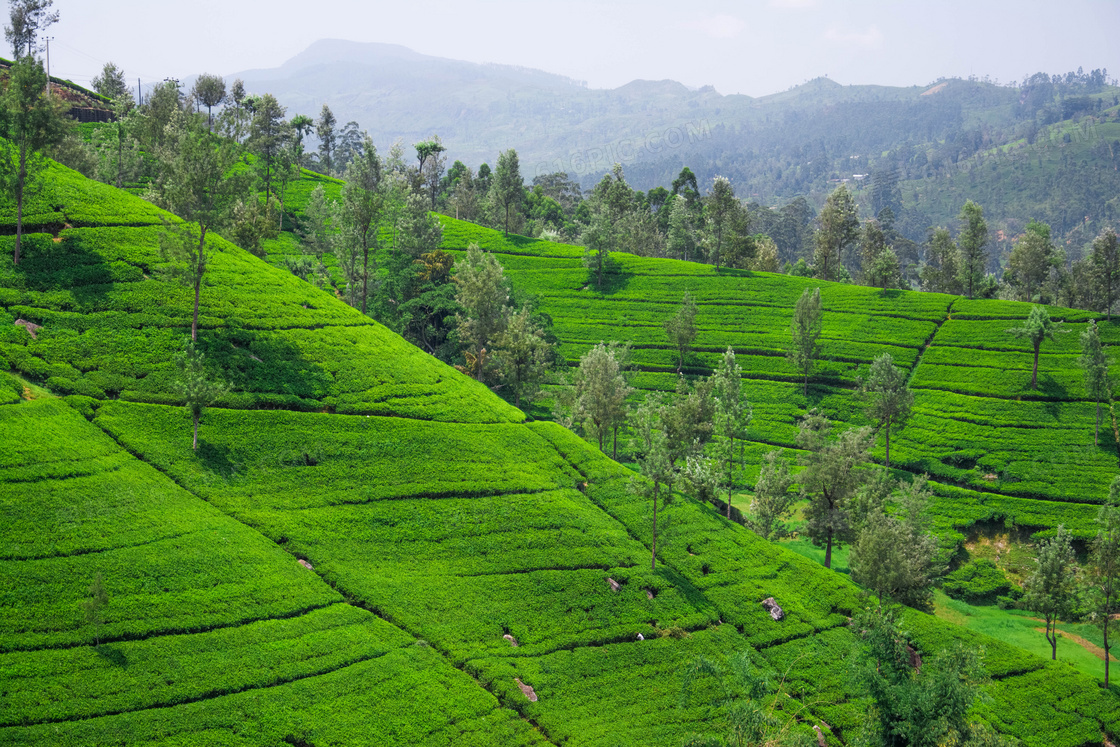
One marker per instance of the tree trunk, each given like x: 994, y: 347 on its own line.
x: 365, y: 276
x: 828, y: 550
x: 194, y: 443
x: 805, y: 387
x: 888, y: 429
x: 614, y: 447
x: 198, y: 279
x: 1052, y: 636
x: 600, y: 433
x: 1034, y: 373
x: 1106, y: 656
x: 653, y: 546
x: 19, y: 217
x: 1097, y: 426
x: 730, y: 469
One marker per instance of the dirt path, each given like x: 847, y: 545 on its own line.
x: 1092, y: 648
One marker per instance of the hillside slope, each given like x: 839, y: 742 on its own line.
x: 996, y: 449
x: 434, y: 520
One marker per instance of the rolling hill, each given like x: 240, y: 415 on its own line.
x: 369, y: 547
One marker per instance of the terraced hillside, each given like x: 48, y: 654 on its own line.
x: 367, y: 546
x: 995, y: 449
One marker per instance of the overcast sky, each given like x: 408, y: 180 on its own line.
x: 753, y: 47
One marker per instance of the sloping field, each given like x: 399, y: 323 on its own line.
x: 466, y: 579
x: 996, y: 450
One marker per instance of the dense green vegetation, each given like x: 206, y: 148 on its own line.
x: 367, y: 545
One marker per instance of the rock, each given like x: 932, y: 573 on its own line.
x: 526, y: 690
x: 615, y: 586
x: 649, y: 594
x: 641, y: 637
x: 773, y: 608
x: 306, y: 565
x: 31, y: 327
x: 511, y: 639
x: 820, y: 737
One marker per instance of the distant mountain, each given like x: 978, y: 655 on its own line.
x: 803, y: 141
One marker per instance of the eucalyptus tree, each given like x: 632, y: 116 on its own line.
x: 1037, y: 328
x: 1094, y: 364
x: 609, y: 203
x: 973, y: 239
x: 888, y: 397
x: 805, y: 331
x: 681, y: 328
x: 773, y: 501
x: 30, y: 120
x: 732, y: 414
x: 28, y: 18
x: 267, y: 135
x: 1106, y: 267
x: 600, y: 390
x: 839, y: 228
x: 110, y: 82
x: 198, y: 183
x: 210, y: 91
x: 507, y: 191
x: 326, y: 129
x: 1103, y: 572
x: 359, y: 215
x: 831, y: 477
x: 197, y: 386
x: 1051, y: 590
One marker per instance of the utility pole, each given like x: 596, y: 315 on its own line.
x: 49, y: 64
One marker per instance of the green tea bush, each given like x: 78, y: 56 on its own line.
x: 977, y: 582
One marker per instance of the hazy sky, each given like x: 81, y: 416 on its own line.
x: 754, y: 47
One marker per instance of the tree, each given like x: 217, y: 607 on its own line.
x: 608, y: 204
x: 314, y: 230
x: 508, y: 188
x: 719, y: 210
x: 1106, y: 267
x: 765, y: 255
x: 1094, y: 365
x: 681, y: 328
x: 430, y: 154
x: 360, y: 214
x: 732, y: 413
x: 483, y: 293
x: 1037, y: 328
x: 523, y: 355
x: 652, y: 453
x: 235, y: 116
x: 267, y: 134
x: 94, y: 604
x: 748, y: 708
x: 941, y: 273
x: 878, y: 263
x: 1031, y: 259
x: 917, y: 703
x: 350, y: 142
x: 686, y: 186
x: 197, y: 387
x: 119, y: 152
x: 772, y: 500
x: 1051, y: 590
x: 895, y: 555
x: 889, y: 397
x: 28, y: 18
x: 600, y: 392
x: 1103, y: 572
x: 839, y: 228
x: 110, y: 83
x: 831, y: 477
x: 805, y: 330
x: 199, y: 184
x: 30, y: 120
x: 326, y: 130
x: 680, y: 240
x: 973, y: 238
x: 210, y: 91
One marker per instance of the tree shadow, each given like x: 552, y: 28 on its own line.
x: 615, y: 277
x: 113, y: 655
x: 53, y: 262
x: 265, y: 371
x: 1055, y: 392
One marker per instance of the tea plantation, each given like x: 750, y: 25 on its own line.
x: 370, y: 548
x: 995, y: 449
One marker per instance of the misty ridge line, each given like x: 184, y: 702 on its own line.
x: 628, y: 149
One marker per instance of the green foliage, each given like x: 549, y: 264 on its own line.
x: 1051, y: 590
x: 805, y: 329
x: 977, y: 582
